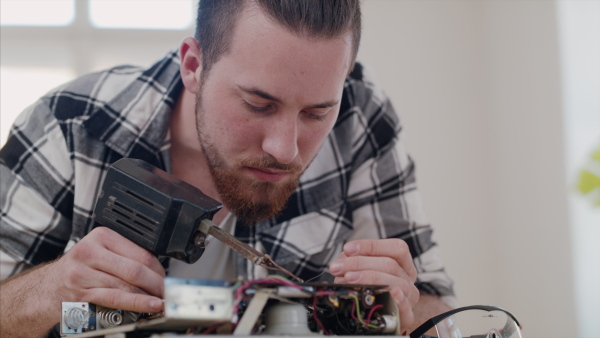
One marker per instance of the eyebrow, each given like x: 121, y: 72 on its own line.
x: 267, y: 96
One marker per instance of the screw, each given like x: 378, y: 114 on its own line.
x: 199, y: 239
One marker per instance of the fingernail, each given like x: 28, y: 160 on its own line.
x: 351, y: 248
x: 336, y: 267
x: 352, y: 276
x: 156, y: 304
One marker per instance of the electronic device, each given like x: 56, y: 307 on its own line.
x: 270, y: 306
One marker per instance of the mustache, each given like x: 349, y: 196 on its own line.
x: 271, y: 163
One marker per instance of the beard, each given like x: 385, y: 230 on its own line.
x: 250, y: 200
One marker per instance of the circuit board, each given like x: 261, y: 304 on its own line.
x: 270, y: 306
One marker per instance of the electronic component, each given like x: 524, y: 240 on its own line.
x: 193, y: 302
x: 79, y: 317
x: 270, y: 306
x: 332, y: 309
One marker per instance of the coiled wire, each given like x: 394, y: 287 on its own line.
x: 109, y: 318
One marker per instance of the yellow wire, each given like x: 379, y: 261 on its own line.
x: 358, y: 313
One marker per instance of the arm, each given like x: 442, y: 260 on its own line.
x: 37, y: 215
x: 428, y: 307
x: 391, y: 243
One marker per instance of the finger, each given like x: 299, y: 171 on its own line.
x: 120, y: 245
x: 117, y: 299
x: 388, y: 247
x: 358, y: 263
x: 339, y: 280
x: 342, y: 255
x: 79, y: 281
x: 407, y: 316
x: 336, y: 273
x: 131, y: 272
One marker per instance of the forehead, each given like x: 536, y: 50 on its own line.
x: 263, y: 53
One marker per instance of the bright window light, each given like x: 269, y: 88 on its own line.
x: 37, y: 12
x: 156, y: 14
x: 26, y: 86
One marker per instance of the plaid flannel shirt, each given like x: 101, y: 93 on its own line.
x: 360, y: 185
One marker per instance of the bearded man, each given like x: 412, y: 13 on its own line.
x: 264, y: 110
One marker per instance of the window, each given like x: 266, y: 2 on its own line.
x: 48, y: 42
x: 35, y: 12
x: 126, y: 14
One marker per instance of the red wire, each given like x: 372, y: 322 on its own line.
x: 317, y: 318
x: 378, y: 306
x: 212, y: 328
x: 352, y: 311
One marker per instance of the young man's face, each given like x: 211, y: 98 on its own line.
x: 264, y: 110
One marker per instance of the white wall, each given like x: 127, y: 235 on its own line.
x: 478, y: 87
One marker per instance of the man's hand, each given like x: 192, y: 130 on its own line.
x: 104, y: 268
x: 381, y: 262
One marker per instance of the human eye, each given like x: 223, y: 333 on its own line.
x: 316, y: 116
x: 254, y: 108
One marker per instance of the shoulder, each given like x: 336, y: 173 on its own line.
x: 82, y: 95
x: 116, y: 90
x: 361, y: 87
x: 365, y: 102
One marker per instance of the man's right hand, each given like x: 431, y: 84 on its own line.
x: 107, y: 269
x: 104, y: 268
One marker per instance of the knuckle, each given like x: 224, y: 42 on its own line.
x: 147, y: 258
x: 134, y: 272
x: 111, y: 299
x: 101, y: 232
x: 415, y: 298
x: 391, y: 265
x: 412, y: 274
x: 81, y: 253
x: 130, y: 288
x: 72, y: 277
x: 400, y: 245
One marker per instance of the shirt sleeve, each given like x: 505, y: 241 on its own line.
x: 36, y: 192
x: 383, y: 189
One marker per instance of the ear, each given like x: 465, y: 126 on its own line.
x: 191, y: 63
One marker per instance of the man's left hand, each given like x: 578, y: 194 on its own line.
x: 381, y: 262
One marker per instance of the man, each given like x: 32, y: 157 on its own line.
x: 265, y: 111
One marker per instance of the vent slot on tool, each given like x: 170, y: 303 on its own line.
x: 129, y: 219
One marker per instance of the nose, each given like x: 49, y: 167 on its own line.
x: 281, y: 139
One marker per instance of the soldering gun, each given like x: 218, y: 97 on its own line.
x: 154, y: 209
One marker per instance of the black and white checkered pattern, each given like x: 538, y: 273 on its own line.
x: 360, y: 185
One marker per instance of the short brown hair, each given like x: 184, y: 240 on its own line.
x: 314, y: 18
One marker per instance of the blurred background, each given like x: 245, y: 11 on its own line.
x: 500, y: 102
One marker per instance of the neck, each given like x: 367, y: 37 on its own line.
x: 188, y: 162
